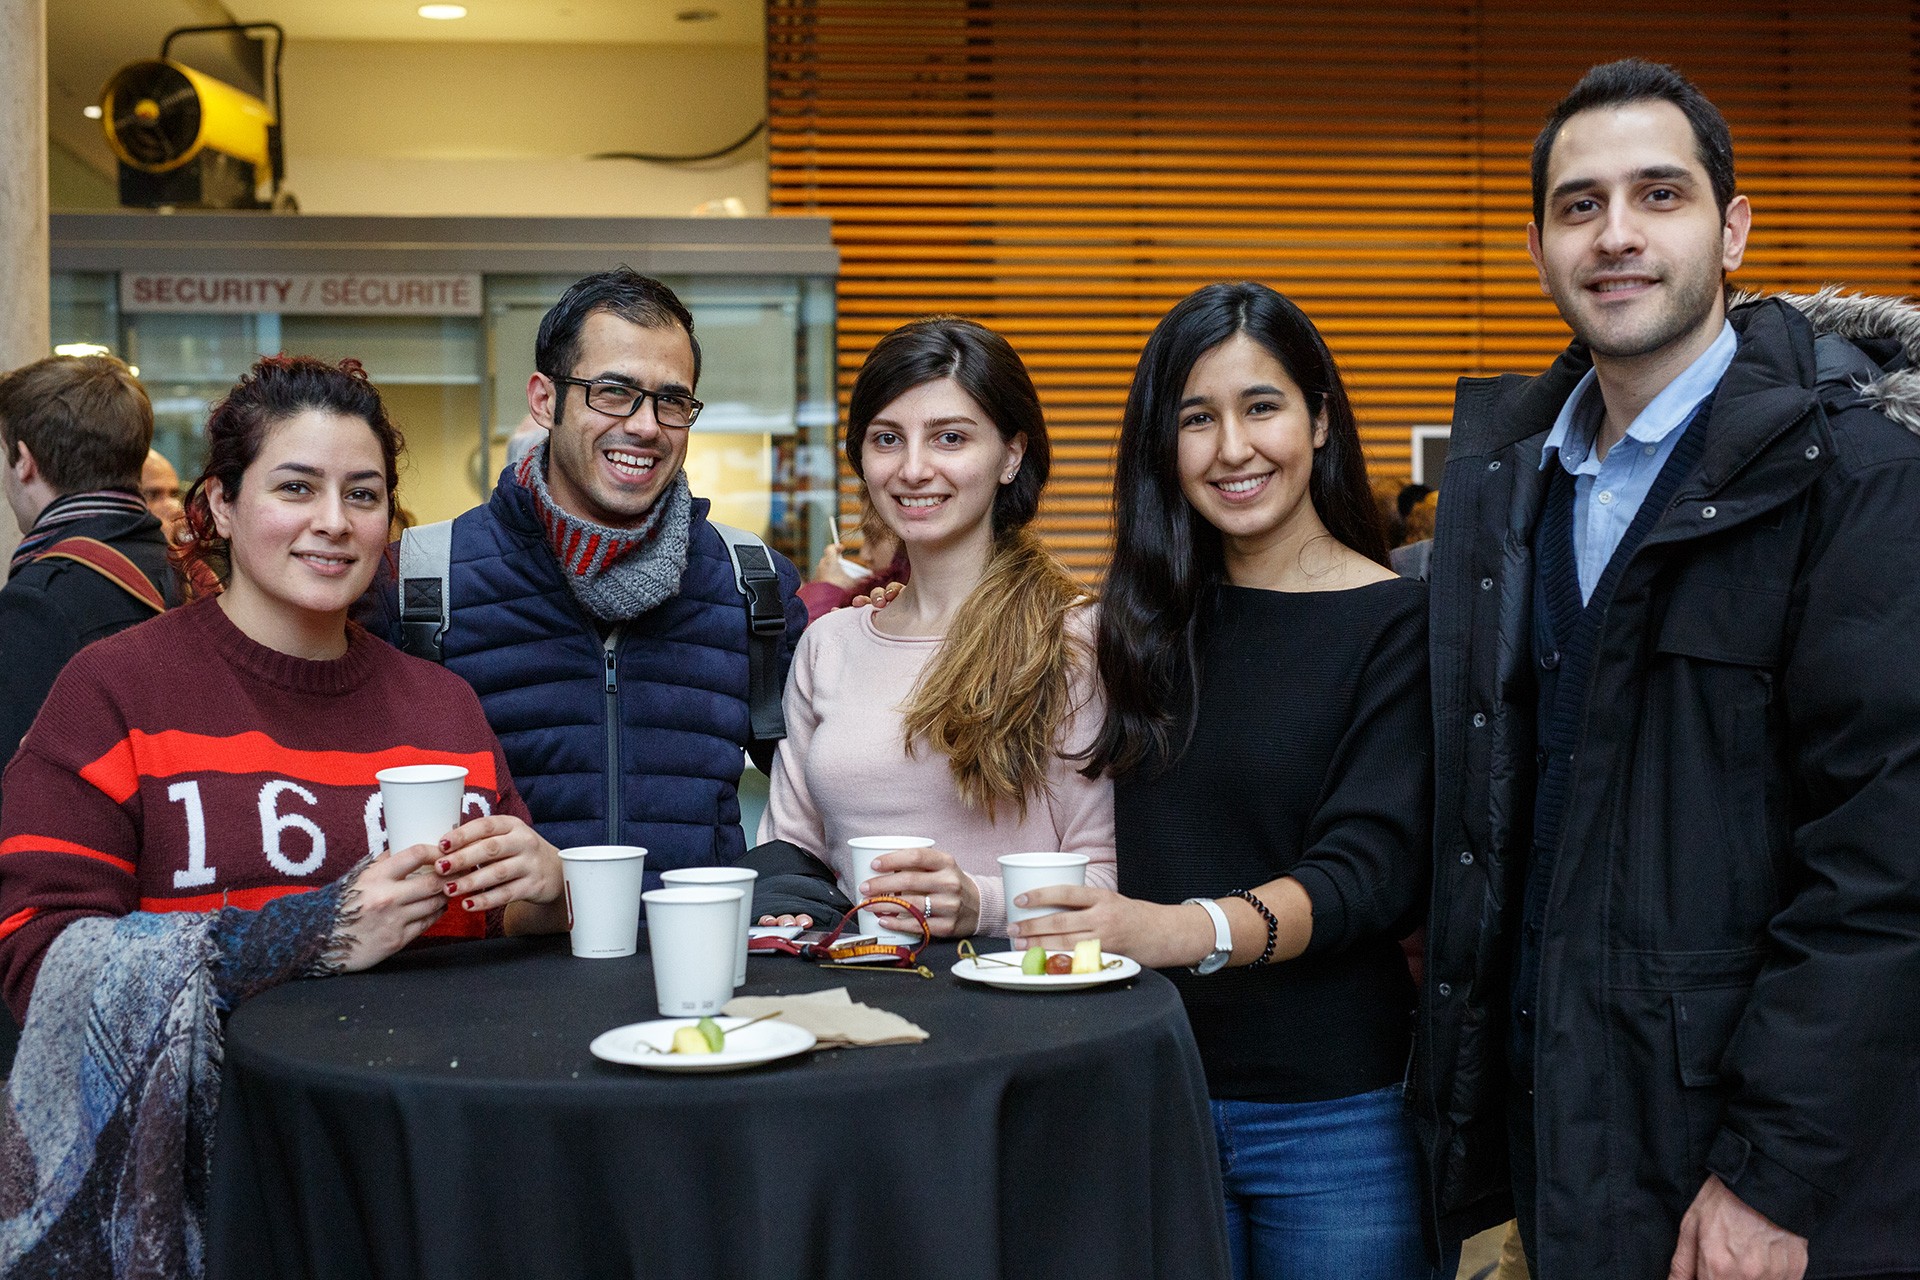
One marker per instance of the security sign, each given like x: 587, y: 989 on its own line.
x: 343, y: 293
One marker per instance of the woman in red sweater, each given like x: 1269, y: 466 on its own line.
x: 194, y: 816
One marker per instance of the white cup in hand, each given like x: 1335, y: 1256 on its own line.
x: 865, y: 850
x: 420, y: 803
x: 1024, y: 872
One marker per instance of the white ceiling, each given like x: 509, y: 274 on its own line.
x: 737, y: 22
x: 87, y: 40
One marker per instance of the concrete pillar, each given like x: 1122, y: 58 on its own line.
x: 25, y: 334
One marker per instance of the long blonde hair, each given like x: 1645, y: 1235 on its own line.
x: 995, y: 698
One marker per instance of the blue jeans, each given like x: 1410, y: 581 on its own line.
x: 1323, y: 1189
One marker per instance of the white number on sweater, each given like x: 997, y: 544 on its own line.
x: 474, y: 800
x: 375, y: 818
x: 198, y: 872
x: 273, y: 824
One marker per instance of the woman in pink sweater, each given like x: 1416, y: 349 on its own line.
x: 956, y: 712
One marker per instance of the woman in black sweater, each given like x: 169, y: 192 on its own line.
x: 1270, y: 737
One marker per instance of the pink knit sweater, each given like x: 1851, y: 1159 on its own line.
x: 843, y: 770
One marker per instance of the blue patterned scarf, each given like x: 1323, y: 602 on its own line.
x: 106, y: 1140
x: 68, y: 508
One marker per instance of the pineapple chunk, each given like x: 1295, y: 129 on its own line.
x: 1087, y: 957
x: 690, y: 1040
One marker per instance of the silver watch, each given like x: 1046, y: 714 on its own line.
x: 1222, y: 937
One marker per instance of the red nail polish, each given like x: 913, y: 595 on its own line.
x: 467, y: 905
x: 452, y: 889
x: 445, y: 864
x: 445, y: 845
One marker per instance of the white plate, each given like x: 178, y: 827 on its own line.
x: 1118, y: 969
x: 645, y: 1044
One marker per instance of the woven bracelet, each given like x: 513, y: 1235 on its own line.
x: 1273, y: 924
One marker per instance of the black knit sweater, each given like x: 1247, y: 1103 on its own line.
x: 1312, y: 757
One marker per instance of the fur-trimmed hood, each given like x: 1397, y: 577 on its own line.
x: 1887, y: 333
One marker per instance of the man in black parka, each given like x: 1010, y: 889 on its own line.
x: 1671, y: 1014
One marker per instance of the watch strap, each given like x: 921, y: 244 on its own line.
x: 1222, y: 937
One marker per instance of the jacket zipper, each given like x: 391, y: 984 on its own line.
x: 613, y: 739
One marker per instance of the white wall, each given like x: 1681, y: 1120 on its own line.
x: 421, y: 128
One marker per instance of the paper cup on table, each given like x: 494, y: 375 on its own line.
x: 420, y: 802
x: 740, y: 878
x: 603, y: 883
x: 1023, y: 872
x: 694, y: 931
x: 865, y: 850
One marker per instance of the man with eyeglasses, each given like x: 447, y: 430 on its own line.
x: 594, y: 607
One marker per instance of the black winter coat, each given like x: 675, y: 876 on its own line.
x: 1730, y: 970
x: 50, y: 609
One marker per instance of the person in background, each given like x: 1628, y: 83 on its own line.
x: 526, y: 437
x: 594, y: 606
x: 1418, y: 503
x: 1673, y: 974
x: 1387, y: 493
x: 160, y: 490
x: 956, y: 710
x: 1268, y: 734
x: 835, y: 586
x: 93, y: 560
x: 196, y: 818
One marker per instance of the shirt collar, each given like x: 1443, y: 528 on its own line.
x: 1571, y: 440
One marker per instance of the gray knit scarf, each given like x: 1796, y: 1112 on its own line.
x: 615, y: 574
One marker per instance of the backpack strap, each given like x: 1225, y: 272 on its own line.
x: 426, y: 602
x: 110, y: 563
x: 759, y: 582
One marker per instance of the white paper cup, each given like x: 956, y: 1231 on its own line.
x: 603, y: 883
x: 740, y: 878
x: 694, y: 933
x: 420, y: 803
x: 1023, y: 872
x: 865, y: 850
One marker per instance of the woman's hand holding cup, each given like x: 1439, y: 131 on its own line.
x: 500, y: 861
x: 931, y: 880
x: 390, y: 906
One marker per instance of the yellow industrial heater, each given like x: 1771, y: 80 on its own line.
x: 185, y: 138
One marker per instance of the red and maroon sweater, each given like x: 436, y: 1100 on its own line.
x: 179, y: 766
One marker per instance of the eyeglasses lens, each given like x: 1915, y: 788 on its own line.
x: 623, y: 402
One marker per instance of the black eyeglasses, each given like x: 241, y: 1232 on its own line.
x: 623, y: 400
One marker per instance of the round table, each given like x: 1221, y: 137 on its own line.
x: 442, y: 1117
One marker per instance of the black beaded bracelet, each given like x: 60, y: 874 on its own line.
x: 1273, y: 924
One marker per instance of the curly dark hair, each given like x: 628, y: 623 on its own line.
x: 275, y: 389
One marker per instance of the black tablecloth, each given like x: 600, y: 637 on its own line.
x: 442, y: 1118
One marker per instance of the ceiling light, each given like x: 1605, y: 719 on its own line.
x: 92, y: 111
x: 696, y: 15
x: 80, y: 349
x: 443, y: 12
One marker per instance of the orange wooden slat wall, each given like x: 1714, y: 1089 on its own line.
x: 1066, y: 171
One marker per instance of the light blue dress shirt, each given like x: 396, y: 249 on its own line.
x: 1607, y: 493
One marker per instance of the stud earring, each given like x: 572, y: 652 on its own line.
x: 1008, y: 478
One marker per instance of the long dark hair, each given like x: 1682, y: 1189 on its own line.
x: 1168, y: 562
x: 987, y: 368
x: 275, y: 389
x: 994, y: 698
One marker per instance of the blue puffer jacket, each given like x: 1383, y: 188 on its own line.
x: 550, y: 686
